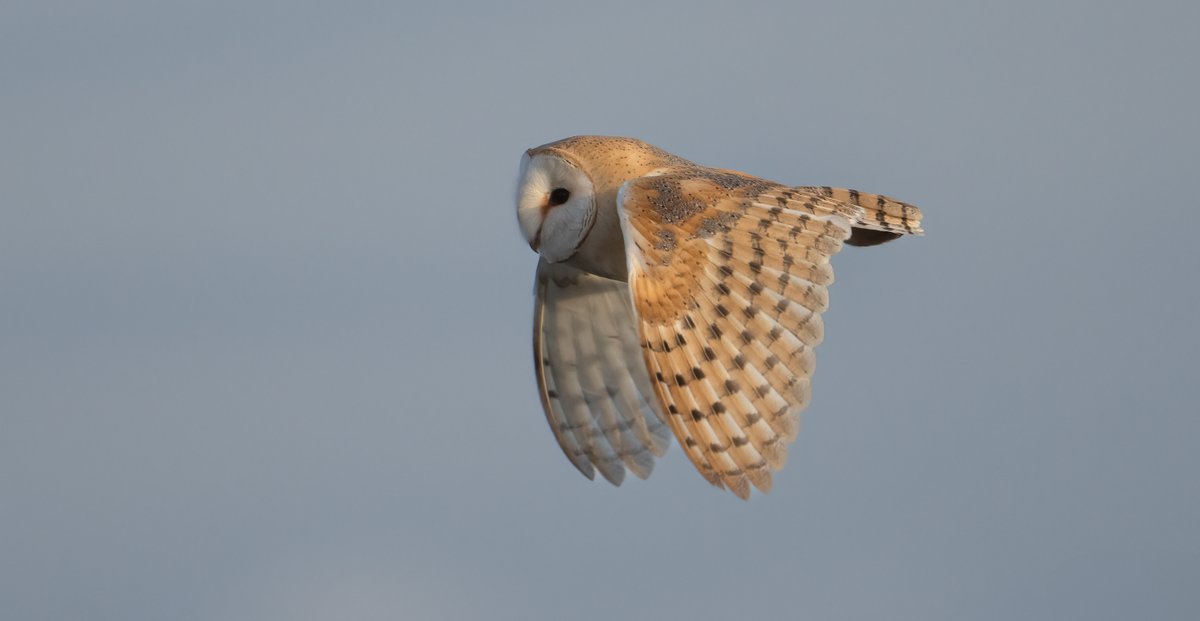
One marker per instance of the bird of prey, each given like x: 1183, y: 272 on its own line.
x: 678, y: 299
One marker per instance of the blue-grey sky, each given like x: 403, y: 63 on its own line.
x: 265, y: 312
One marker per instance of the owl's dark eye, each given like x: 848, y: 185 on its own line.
x: 559, y: 196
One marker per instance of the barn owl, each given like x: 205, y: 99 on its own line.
x: 673, y: 299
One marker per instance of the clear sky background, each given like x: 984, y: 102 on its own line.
x: 265, y: 312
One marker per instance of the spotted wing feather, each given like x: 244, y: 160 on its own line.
x: 883, y: 218
x: 591, y: 378
x: 729, y: 277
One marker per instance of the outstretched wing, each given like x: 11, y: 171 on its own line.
x: 728, y: 275
x: 883, y: 218
x: 591, y: 377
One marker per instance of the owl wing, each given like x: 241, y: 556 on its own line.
x: 728, y: 275
x: 591, y: 378
x: 884, y: 218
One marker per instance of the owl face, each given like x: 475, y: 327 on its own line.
x: 556, y: 205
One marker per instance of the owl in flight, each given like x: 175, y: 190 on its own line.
x: 677, y: 299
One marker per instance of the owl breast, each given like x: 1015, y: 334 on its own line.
x: 603, y: 251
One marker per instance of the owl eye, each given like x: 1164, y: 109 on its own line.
x: 559, y: 196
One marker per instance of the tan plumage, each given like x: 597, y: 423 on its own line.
x: 683, y: 294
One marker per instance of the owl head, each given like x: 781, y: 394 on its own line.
x: 556, y: 205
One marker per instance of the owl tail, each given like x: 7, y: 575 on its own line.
x: 883, y: 219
